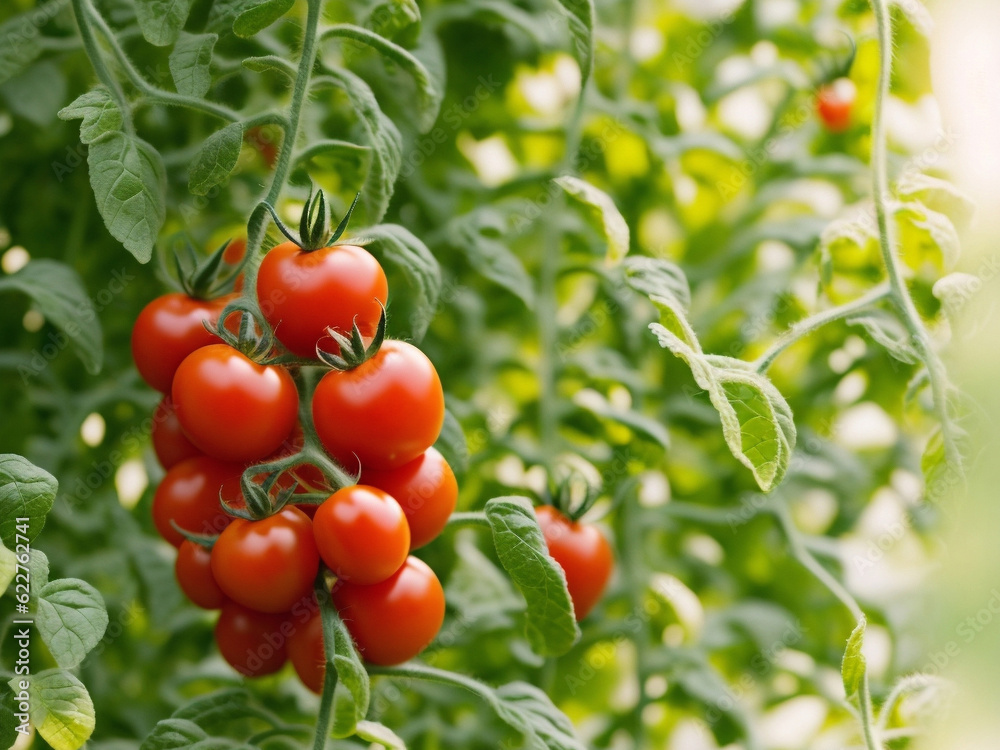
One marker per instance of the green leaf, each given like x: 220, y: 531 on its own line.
x: 217, y: 709
x: 580, y: 14
x: 19, y: 45
x: 489, y: 256
x: 25, y: 492
x: 71, y: 618
x: 191, y: 61
x: 61, y: 709
x: 8, y: 567
x: 258, y: 16
x: 452, y: 443
x: 395, y: 19
x: 384, y: 139
x: 636, y: 421
x: 98, y: 111
x: 674, y: 321
x: 353, y: 693
x: 477, y: 588
x: 656, y: 277
x: 380, y: 734
x: 130, y: 184
x: 216, y: 159
x: 161, y: 21
x: 601, y: 213
x: 8, y: 722
x: 541, y: 722
x: 407, y: 252
x: 271, y: 63
x: 173, y: 734
x: 39, y: 567
x: 37, y: 93
x: 886, y: 330
x: 429, y: 90
x: 551, y: 624
x: 936, y: 194
x: 60, y: 296
x: 852, y: 668
x: 926, y: 238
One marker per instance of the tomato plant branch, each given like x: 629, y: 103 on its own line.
x: 814, y: 322
x: 887, y: 240
x: 872, y: 741
x: 153, y: 94
x: 327, y: 614
x: 104, y: 74
x: 470, y: 518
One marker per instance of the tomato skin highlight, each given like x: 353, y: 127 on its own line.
x: 383, y: 413
x: 425, y: 488
x: 302, y: 293
x: 232, y: 408
x: 362, y: 534
x: 193, y: 569
x: 169, y: 441
x: 582, y: 552
x: 167, y: 330
x: 189, y: 495
x: 267, y: 565
x: 254, y: 643
x: 393, y: 621
x: 305, y: 651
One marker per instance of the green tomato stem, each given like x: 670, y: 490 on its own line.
x: 872, y: 741
x: 470, y: 518
x: 80, y: 11
x: 327, y: 615
x: 901, y: 296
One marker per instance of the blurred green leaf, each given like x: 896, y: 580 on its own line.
x: 161, y: 21
x: 254, y: 16
x: 26, y: 492
x: 8, y: 567
x: 216, y: 159
x: 601, y: 211
x: 853, y: 667
x: 71, y: 618
x: 190, y: 63
x: 173, y: 734
x: 379, y: 734
x: 61, y: 709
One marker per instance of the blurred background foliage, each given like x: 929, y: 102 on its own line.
x: 700, y: 123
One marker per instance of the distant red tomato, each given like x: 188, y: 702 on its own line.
x: 189, y: 496
x: 582, y: 552
x: 254, y: 643
x: 193, y: 569
x: 426, y: 490
x: 835, y: 105
x: 305, y: 650
x: 169, y: 441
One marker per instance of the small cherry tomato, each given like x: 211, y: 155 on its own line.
x: 396, y: 619
x: 582, y: 552
x: 167, y: 330
x: 425, y: 488
x: 383, y: 413
x: 267, y: 565
x: 303, y: 293
x: 361, y: 534
x: 189, y: 496
x: 305, y: 650
x: 232, y: 408
x: 835, y: 105
x: 193, y: 569
x: 169, y: 441
x: 254, y: 643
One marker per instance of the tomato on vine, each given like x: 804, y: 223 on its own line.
x: 189, y: 497
x: 425, y: 488
x: 167, y: 330
x: 384, y: 413
x: 362, y: 534
x: 835, y: 105
x: 268, y: 565
x: 169, y: 441
x: 231, y: 407
x: 582, y: 552
x: 393, y: 621
x: 193, y: 569
x: 304, y: 292
x: 305, y: 651
x: 254, y: 643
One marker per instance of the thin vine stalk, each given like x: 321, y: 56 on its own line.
x: 888, y: 243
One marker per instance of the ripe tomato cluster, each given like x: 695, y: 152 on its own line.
x: 252, y: 544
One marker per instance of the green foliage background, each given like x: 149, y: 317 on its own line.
x: 701, y: 128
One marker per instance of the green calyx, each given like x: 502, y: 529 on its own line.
x: 353, y: 351
x: 202, y: 278
x: 253, y: 340
x: 205, y: 540
x: 573, y: 496
x: 314, y: 226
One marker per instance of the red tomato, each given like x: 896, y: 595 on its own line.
x: 268, y: 565
x: 384, y: 413
x: 189, y: 496
x: 167, y: 330
x: 169, y: 441
x: 193, y: 569
x: 265, y: 139
x: 425, y: 488
x: 835, y: 103
x: 361, y: 534
x: 254, y: 643
x: 303, y: 293
x: 232, y: 408
x: 305, y: 649
x: 582, y: 552
x: 395, y: 620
